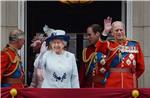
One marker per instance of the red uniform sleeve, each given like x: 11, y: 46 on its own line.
x: 102, y: 47
x: 4, y: 63
x: 140, y: 66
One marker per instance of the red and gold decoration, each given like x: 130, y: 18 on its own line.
x: 135, y: 93
x: 13, y: 92
x: 80, y: 2
x: 74, y: 93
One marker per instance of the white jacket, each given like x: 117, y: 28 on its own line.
x: 60, y: 71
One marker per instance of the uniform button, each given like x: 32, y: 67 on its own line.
x: 122, y: 65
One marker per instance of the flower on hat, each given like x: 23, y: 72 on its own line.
x: 36, y: 42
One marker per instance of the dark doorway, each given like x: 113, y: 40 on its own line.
x: 73, y: 18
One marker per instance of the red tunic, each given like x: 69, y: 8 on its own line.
x: 89, y: 81
x: 11, y: 70
x: 125, y: 62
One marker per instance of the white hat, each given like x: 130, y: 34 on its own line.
x: 58, y: 34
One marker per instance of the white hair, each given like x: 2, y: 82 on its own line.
x: 113, y: 24
x: 15, y: 35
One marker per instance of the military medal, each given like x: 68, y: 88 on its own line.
x: 131, y: 56
x: 95, y: 60
x: 134, y: 62
x: 119, y: 52
x: 103, y: 61
x: 120, y: 55
x: 102, y: 70
x: 94, y: 72
x: 128, y: 62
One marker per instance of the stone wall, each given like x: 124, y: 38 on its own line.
x: 141, y: 33
x: 9, y: 20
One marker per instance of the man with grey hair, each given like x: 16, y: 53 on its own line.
x: 124, y: 57
x: 12, y: 74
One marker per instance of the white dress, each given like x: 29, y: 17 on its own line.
x: 60, y: 71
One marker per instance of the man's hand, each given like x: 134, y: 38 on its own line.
x: 107, y: 26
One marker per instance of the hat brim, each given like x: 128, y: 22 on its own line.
x: 61, y: 37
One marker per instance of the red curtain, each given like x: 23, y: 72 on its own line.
x: 74, y: 93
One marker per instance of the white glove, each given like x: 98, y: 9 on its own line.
x: 42, y: 51
x: 43, y: 47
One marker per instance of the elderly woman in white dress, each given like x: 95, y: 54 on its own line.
x: 39, y: 46
x: 59, y: 66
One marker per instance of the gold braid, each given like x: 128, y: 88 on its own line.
x: 89, y: 59
x: 16, y: 60
x: 112, y: 49
x: 17, y: 64
x: 84, y: 56
x: 92, y: 57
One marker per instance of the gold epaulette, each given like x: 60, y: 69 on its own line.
x: 85, y: 59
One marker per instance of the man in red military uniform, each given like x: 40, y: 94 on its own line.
x: 125, y: 59
x: 12, y: 74
x: 91, y: 72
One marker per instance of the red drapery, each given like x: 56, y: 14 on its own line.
x: 74, y: 93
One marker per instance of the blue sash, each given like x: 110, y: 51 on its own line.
x: 16, y: 74
x: 97, y: 59
x: 116, y: 61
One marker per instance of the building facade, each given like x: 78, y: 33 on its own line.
x: 137, y: 13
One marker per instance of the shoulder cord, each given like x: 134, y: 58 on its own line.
x: 16, y: 60
x: 84, y: 56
